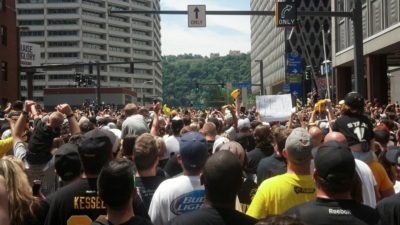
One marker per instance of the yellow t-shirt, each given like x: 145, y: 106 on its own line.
x: 383, y: 181
x: 277, y: 194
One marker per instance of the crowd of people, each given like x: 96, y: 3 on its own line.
x: 327, y: 164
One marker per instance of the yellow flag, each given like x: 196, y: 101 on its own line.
x: 166, y: 110
x: 235, y: 93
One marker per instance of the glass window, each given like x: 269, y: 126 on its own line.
x: 3, y: 35
x: 4, y: 71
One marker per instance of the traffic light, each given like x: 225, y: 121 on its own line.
x: 197, y: 87
x: 132, y: 67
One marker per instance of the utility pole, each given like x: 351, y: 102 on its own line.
x: 98, y: 94
x: 358, y: 48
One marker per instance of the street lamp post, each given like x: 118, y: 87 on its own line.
x: 146, y: 82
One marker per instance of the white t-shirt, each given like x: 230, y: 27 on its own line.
x: 174, y: 197
x: 368, y: 182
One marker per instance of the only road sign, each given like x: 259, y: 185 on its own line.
x: 196, y: 15
x: 285, y: 14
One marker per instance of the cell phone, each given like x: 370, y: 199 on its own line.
x: 37, y: 184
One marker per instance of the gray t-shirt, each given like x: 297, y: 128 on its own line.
x: 44, y: 172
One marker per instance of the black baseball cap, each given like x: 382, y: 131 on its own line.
x: 67, y: 162
x: 334, y: 162
x: 354, y: 100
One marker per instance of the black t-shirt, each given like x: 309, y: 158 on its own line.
x: 270, y: 166
x: 255, y: 156
x: 327, y: 211
x: 389, y: 210
x: 213, y: 216
x: 172, y: 168
x: 40, y: 143
x: 135, y: 220
x: 38, y: 217
x: 146, y: 186
x: 77, y: 201
x: 356, y: 128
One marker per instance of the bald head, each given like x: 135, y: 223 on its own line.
x: 316, y: 136
x: 335, y: 136
x: 56, y: 119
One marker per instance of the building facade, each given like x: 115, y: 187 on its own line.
x: 8, y: 52
x: 270, y: 44
x: 82, y: 31
x: 381, y: 32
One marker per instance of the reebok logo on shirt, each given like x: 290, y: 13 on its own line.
x: 339, y: 212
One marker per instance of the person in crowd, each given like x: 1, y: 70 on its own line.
x: 317, y: 136
x: 134, y: 123
x: 67, y: 163
x: 146, y: 157
x: 23, y: 207
x: 279, y: 220
x: 116, y: 187
x: 183, y: 193
x: 264, y: 139
x: 364, y: 173
x: 296, y: 186
x: 245, y: 135
x: 38, y: 160
x: 172, y: 141
x: 275, y: 164
x: 4, y: 212
x: 389, y: 208
x: 79, y: 201
x: 210, y: 132
x: 358, y: 130
x: 222, y: 179
x: 334, y: 174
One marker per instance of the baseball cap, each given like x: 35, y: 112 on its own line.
x: 334, y: 162
x: 67, y: 162
x: 95, y: 145
x: 354, y: 100
x: 193, y: 150
x: 393, y: 155
x: 298, y: 145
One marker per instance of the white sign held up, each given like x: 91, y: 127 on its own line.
x: 274, y: 107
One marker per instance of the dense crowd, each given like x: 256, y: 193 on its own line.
x: 327, y: 164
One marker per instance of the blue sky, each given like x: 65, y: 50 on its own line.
x: 223, y: 33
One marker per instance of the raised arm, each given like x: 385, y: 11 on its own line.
x: 67, y: 111
x: 156, y: 117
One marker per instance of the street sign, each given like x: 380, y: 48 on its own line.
x: 242, y: 85
x: 285, y: 14
x: 197, y: 15
x: 295, y: 63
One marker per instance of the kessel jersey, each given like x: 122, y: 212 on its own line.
x: 76, y: 204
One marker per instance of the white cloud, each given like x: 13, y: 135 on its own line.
x: 178, y: 39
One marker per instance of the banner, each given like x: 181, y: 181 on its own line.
x: 29, y: 54
x: 274, y: 107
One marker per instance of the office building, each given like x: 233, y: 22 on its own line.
x: 269, y: 44
x: 8, y: 52
x: 82, y: 31
x: 381, y: 32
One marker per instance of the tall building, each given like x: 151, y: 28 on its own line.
x: 8, y: 51
x: 269, y: 43
x: 77, y: 31
x: 381, y: 32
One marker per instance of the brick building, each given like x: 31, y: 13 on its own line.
x: 8, y: 52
